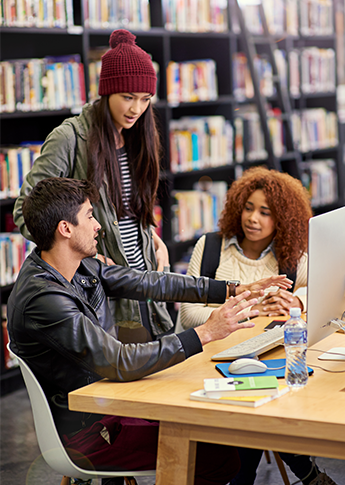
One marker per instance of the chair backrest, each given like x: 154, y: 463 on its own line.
x: 48, y: 438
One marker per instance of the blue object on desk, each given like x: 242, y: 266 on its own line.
x: 224, y: 369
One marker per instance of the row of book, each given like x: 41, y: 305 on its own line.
x: 196, y: 15
x: 200, y: 142
x: 37, y: 13
x: 249, y: 143
x: 15, y: 163
x: 117, y: 14
x: 317, y: 67
x: 314, y: 129
x: 310, y: 17
x: 197, y: 211
x: 292, y: 17
x: 191, y: 81
x: 14, y: 248
x: 320, y: 179
x: 51, y: 83
x: 95, y: 63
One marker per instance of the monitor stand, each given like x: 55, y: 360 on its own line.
x: 336, y: 353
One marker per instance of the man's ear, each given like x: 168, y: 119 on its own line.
x: 64, y: 229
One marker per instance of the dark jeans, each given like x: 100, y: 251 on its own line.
x: 132, y: 445
x: 300, y: 465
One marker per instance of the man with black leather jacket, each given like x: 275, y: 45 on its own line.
x: 59, y: 323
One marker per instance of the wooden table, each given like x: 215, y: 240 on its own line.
x: 310, y: 420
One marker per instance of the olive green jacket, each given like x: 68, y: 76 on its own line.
x: 64, y: 154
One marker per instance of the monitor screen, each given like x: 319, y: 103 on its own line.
x: 326, y: 273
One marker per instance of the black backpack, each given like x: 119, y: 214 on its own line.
x: 209, y: 264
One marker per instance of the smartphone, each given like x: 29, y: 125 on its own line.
x: 274, y: 323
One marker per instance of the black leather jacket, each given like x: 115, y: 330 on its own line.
x: 64, y: 330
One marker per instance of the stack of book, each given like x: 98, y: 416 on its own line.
x: 241, y: 391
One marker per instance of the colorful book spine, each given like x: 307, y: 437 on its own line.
x: 38, y: 84
x: 15, y: 163
x: 197, y: 211
x: 37, y: 13
x: 200, y: 142
x: 314, y: 129
x: 191, y: 81
x: 115, y: 14
x: 13, y: 250
x: 195, y: 15
x: 320, y: 179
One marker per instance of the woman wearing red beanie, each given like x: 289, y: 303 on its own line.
x: 114, y: 143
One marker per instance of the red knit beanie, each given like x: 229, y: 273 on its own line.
x: 126, y: 68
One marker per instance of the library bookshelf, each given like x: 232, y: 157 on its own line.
x: 171, y: 35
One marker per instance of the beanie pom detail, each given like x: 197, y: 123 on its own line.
x: 121, y: 36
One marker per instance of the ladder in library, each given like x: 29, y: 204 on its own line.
x: 249, y: 41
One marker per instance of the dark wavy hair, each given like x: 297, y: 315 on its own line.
x: 143, y: 149
x: 51, y: 201
x: 290, y: 207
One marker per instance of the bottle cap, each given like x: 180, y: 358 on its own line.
x: 295, y: 312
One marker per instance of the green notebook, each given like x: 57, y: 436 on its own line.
x: 241, y: 386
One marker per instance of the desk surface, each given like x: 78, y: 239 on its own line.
x: 310, y: 420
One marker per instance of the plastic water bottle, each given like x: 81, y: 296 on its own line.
x: 295, y: 343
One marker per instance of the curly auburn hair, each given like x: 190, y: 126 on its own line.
x: 290, y: 207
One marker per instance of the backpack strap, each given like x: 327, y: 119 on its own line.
x: 209, y: 264
x: 292, y: 276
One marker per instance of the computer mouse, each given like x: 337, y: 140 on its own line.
x: 247, y: 366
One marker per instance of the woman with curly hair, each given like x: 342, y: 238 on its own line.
x: 264, y: 230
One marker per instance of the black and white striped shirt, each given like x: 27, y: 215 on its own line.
x: 129, y: 226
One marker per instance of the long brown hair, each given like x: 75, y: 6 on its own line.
x: 143, y: 149
x: 289, y: 203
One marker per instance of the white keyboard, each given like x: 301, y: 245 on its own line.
x: 254, y: 346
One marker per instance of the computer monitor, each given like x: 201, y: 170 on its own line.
x: 326, y: 274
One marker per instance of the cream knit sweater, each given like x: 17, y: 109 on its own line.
x: 234, y: 266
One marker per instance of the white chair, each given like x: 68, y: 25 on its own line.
x: 48, y: 438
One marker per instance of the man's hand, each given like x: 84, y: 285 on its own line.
x: 162, y: 255
x: 224, y: 319
x: 278, y: 303
x: 257, y: 288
